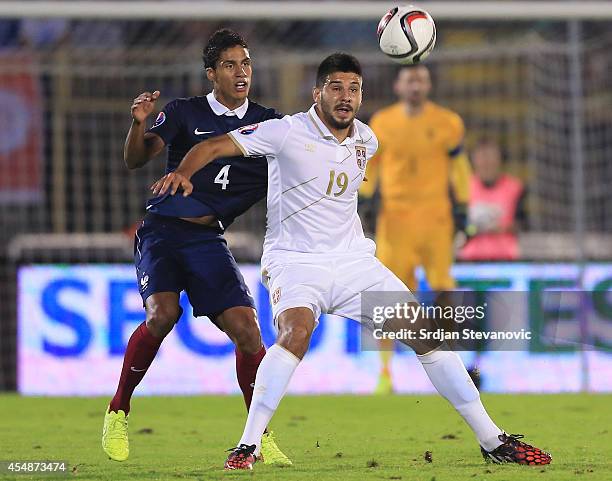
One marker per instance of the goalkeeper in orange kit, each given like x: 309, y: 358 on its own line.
x: 422, y: 175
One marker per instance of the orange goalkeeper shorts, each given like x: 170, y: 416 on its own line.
x: 409, y: 238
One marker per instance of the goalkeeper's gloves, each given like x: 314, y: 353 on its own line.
x: 460, y: 218
x: 464, y: 230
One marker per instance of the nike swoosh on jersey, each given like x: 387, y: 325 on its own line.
x: 202, y: 132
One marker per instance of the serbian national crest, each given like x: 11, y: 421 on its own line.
x: 276, y: 295
x: 361, y: 156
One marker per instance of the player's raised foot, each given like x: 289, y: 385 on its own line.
x: 115, y: 435
x: 514, y: 451
x: 271, y: 453
x: 241, y: 457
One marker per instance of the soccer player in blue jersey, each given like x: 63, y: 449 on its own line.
x: 180, y: 244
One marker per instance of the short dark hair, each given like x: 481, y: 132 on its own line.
x: 217, y: 43
x: 337, y: 62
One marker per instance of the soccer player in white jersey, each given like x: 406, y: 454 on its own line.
x: 316, y: 258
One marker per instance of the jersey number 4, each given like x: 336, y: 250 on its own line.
x: 223, y: 177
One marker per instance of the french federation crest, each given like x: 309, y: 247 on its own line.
x: 248, y: 129
x: 361, y: 156
x: 161, y: 118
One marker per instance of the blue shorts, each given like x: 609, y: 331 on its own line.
x: 174, y: 255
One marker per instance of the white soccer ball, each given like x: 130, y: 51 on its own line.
x: 406, y: 34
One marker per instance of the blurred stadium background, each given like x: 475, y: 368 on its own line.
x: 535, y: 76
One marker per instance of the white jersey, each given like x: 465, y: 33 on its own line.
x: 313, y: 183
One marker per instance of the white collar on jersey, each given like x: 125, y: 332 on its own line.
x: 325, y: 132
x: 219, y: 109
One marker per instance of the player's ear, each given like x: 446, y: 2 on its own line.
x: 316, y: 94
x: 211, y: 75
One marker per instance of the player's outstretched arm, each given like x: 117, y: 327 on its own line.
x: 140, y: 147
x: 197, y: 157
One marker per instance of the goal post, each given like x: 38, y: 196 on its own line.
x: 302, y: 10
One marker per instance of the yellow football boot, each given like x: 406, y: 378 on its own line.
x: 115, y: 435
x: 271, y: 453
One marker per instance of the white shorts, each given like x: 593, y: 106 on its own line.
x: 329, y: 284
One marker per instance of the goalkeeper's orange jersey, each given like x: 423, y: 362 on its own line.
x: 417, y: 157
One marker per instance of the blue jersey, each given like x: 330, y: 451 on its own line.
x: 226, y: 187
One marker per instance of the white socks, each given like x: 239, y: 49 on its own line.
x: 273, y: 376
x: 444, y: 368
x: 449, y: 376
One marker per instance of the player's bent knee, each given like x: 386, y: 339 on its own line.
x: 246, y: 337
x: 295, y: 339
x: 161, y: 318
x: 295, y: 326
x: 247, y: 340
x: 240, y: 324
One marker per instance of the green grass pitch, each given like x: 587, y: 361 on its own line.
x: 327, y: 437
